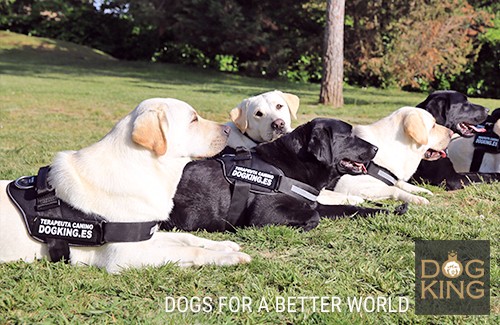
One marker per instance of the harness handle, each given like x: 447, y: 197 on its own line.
x: 241, y: 189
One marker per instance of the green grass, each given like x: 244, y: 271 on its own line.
x: 58, y: 96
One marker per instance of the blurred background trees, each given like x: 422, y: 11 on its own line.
x: 415, y: 45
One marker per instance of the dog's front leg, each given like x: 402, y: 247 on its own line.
x: 186, y: 239
x: 345, y: 211
x: 411, y: 188
x: 328, y: 197
x: 399, y: 194
x: 162, y: 248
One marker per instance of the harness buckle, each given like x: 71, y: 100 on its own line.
x: 47, y: 202
x: 242, y: 153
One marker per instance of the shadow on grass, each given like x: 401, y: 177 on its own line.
x: 29, y: 61
x: 60, y: 62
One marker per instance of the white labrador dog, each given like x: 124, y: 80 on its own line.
x: 461, y: 150
x: 262, y: 118
x: 130, y: 175
x: 403, y: 138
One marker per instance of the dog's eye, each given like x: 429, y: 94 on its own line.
x: 195, y: 119
x: 279, y: 106
x: 259, y: 114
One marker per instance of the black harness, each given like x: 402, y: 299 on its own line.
x: 381, y: 173
x: 52, y: 221
x: 487, y: 142
x: 248, y: 173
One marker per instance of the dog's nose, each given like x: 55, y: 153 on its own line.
x: 226, y: 129
x: 374, y: 149
x: 279, y: 124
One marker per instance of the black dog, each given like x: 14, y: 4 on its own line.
x: 453, y: 110
x: 310, y: 157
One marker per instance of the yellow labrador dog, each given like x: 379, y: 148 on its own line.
x: 461, y: 151
x: 403, y: 139
x: 129, y: 176
x: 262, y: 118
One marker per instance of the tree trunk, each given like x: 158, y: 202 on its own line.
x: 333, y: 55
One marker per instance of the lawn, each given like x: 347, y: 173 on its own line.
x: 58, y: 96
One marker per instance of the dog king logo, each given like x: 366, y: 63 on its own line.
x: 452, y: 268
x: 452, y: 277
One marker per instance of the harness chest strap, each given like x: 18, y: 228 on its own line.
x: 251, y: 174
x: 46, y: 199
x: 241, y: 189
x: 382, y: 174
x: 484, y: 143
x: 52, y: 221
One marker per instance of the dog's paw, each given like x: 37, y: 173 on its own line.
x: 401, y: 209
x: 223, y: 246
x: 419, y: 200
x: 233, y: 258
x: 426, y: 191
x: 417, y: 189
x: 209, y: 257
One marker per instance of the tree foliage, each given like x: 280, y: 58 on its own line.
x: 435, y: 45
x: 480, y: 77
x: 369, y: 32
x: 417, y: 44
x: 80, y: 22
x: 265, y: 36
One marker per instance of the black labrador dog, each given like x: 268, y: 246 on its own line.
x: 310, y: 157
x: 453, y: 110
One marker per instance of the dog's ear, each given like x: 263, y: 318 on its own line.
x: 239, y: 118
x: 293, y: 103
x: 438, y: 106
x: 414, y: 126
x: 320, y: 144
x: 149, y: 131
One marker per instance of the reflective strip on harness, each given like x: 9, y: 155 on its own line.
x: 304, y: 193
x: 382, y: 174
